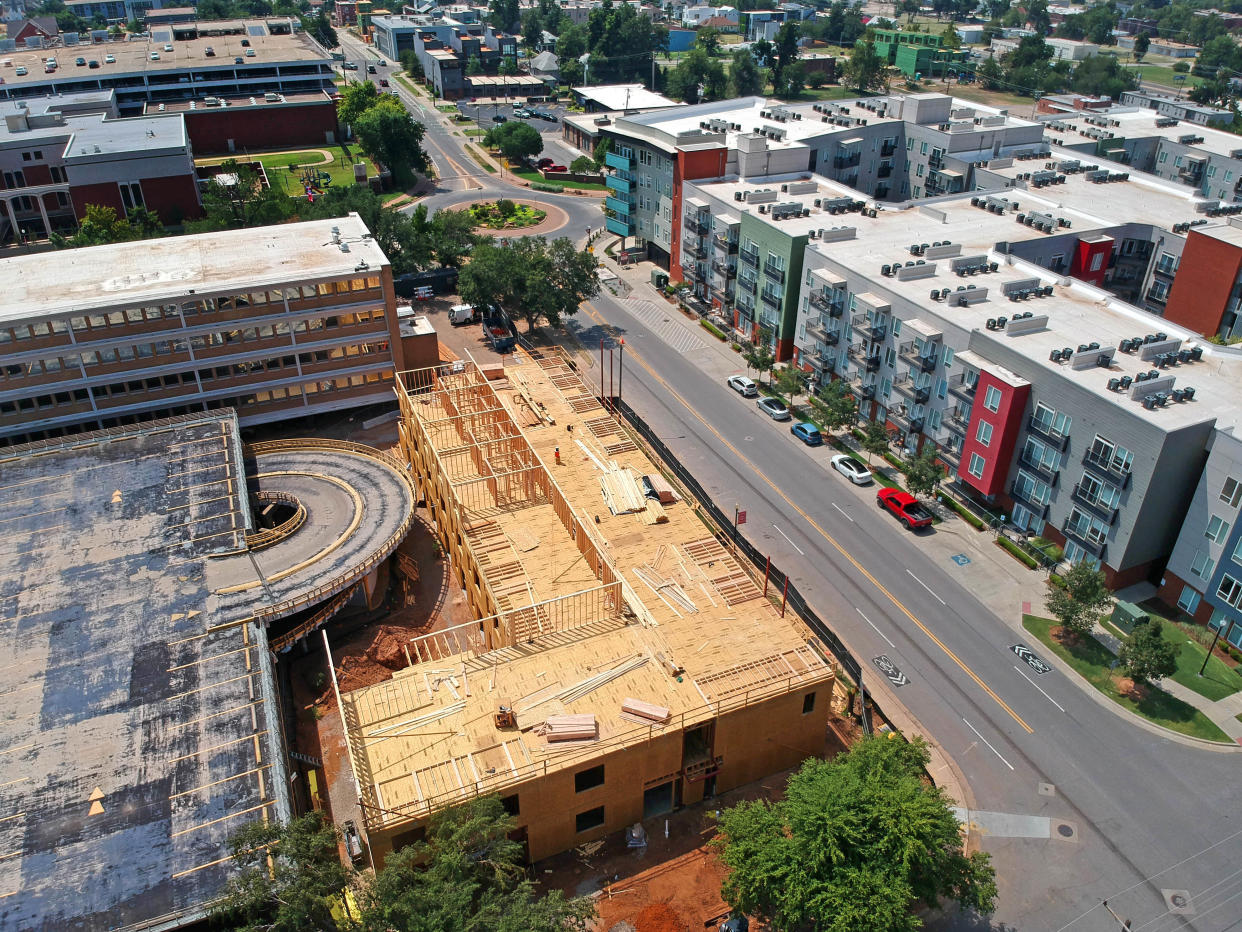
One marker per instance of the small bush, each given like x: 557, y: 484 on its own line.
x: 1055, y: 579
x: 506, y: 207
x: 964, y: 513
x: 553, y: 188
x: 1181, y: 67
x: 1017, y: 552
x: 713, y: 330
x: 736, y: 347
x: 1048, y: 549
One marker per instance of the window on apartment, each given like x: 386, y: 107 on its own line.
x: 808, y: 703
x: 1086, y: 526
x: 992, y: 399
x: 589, y: 779
x: 1096, y: 261
x: 592, y: 818
x: 1217, y: 529
x: 1202, y: 564
x: 1229, y: 591
x: 975, y: 468
x: 1188, y: 601
x: 131, y: 195
x: 1231, y: 492
x: 984, y: 433
x: 1032, y: 489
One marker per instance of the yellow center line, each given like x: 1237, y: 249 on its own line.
x: 633, y: 354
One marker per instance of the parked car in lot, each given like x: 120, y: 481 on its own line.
x: 463, y: 314
x: 743, y: 386
x: 853, y: 470
x: 773, y: 409
x: 80, y: 62
x: 521, y: 113
x: 905, y: 507
x: 500, y: 118
x: 544, y: 115
x: 544, y: 163
x: 808, y: 433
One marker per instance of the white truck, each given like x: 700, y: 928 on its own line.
x: 463, y: 314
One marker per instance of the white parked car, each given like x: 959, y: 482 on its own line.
x: 743, y: 386
x: 853, y: 470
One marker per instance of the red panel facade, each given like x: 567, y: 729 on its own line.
x: 1005, y: 424
x: 687, y: 166
x: 273, y: 126
x: 1204, y: 281
x: 173, y: 198
x: 104, y: 195
x: 1091, y: 259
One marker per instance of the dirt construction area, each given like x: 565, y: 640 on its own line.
x: 672, y: 884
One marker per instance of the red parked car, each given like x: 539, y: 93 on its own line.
x: 905, y: 506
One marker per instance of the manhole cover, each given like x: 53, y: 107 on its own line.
x: 1065, y: 831
x: 1047, y: 789
x: 1178, y: 902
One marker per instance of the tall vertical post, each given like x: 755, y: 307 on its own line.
x: 767, y: 572
x: 1228, y: 631
x: 601, y: 367
x: 612, y: 371
x: 621, y: 371
x: 784, y: 595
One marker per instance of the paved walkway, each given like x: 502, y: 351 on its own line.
x: 1003, y: 584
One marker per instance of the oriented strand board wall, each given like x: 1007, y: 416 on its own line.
x: 770, y: 736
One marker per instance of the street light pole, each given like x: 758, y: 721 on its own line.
x: 1228, y: 631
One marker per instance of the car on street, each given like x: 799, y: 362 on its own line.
x: 209, y: 52
x: 167, y: 47
x: 110, y: 59
x: 773, y: 409
x: 907, y: 509
x: 80, y: 62
x: 370, y: 69
x: 21, y: 71
x: 743, y: 386
x: 345, y: 65
x: 383, y: 82
x: 808, y: 433
x: 500, y: 118
x: 853, y: 470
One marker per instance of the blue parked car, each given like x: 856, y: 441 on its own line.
x: 808, y: 433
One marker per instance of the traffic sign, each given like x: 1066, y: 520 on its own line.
x: 1031, y: 660
x: 889, y: 669
x: 741, y: 517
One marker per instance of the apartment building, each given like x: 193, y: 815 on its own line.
x: 887, y: 149
x: 59, y: 155
x: 445, y: 47
x: 276, y: 322
x: 917, y: 53
x: 1206, y: 292
x: 227, y: 58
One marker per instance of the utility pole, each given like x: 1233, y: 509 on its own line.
x: 1216, y: 638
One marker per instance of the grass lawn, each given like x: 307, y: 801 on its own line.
x: 1219, y: 679
x: 527, y: 174
x: 1091, y: 660
x: 1163, y: 74
x: 474, y: 131
x: 340, y: 169
x: 478, y: 157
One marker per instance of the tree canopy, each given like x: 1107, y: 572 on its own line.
x: 697, y: 77
x: 865, y: 70
x: 834, y: 405
x: 517, y: 141
x: 390, y: 136
x: 745, y: 78
x: 923, y: 473
x: 1146, y: 655
x: 100, y: 225
x: 853, y: 846
x: 534, y: 280
x: 1083, y: 602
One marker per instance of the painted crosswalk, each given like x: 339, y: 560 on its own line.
x: 665, y: 322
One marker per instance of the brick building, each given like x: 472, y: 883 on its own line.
x: 261, y: 122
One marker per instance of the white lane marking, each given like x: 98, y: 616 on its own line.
x: 877, y: 630
x: 840, y: 509
x: 989, y: 744
x: 791, y: 543
x: 927, y: 587
x: 1036, y: 685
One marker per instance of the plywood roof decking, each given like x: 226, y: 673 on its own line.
x: 708, y: 618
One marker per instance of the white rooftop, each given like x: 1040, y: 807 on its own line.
x: 1141, y: 122
x: 155, y: 270
x: 624, y: 97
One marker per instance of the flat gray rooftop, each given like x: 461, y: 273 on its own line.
x: 135, y: 738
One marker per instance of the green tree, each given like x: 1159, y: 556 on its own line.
x: 536, y: 281
x: 865, y: 70
x: 602, y: 148
x: 320, y: 29
x: 764, y: 52
x: 1102, y: 75
x: 504, y: 15
x: 990, y: 74
x: 452, y: 237
x: 790, y: 382
x: 874, y: 439
x: 793, y: 79
x: 1084, y: 601
x: 745, y: 78
x: 508, y: 66
x: 474, y: 67
x: 390, y: 136
x: 582, y: 165
x: 923, y: 473
x: 466, y: 875
x: 517, y: 141
x: 785, y: 50
x: 855, y: 844
x: 759, y: 357
x: 1037, y: 17
x: 1142, y: 42
x: 356, y: 99
x: 951, y: 39
x: 1146, y: 656
x: 237, y: 197
x: 697, y: 77
x: 413, y: 67
x: 708, y: 39
x: 101, y: 225
x: 834, y: 405
x: 289, y: 878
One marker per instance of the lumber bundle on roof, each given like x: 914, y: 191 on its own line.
x: 653, y: 513
x: 622, y: 491
x: 645, y: 710
x: 662, y: 488
x: 571, y: 728
x: 492, y: 370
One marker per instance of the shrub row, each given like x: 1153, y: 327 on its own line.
x: 1017, y: 552
x: 713, y: 330
x: 963, y: 512
x: 543, y: 186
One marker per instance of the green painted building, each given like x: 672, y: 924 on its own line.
x: 920, y: 53
x: 769, y: 275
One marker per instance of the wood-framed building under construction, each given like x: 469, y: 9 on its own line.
x: 640, y: 665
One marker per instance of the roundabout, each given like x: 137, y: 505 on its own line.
x: 553, y: 217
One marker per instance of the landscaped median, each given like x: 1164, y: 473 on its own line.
x: 1094, y: 662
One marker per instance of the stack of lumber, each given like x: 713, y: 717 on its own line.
x: 662, y: 488
x: 492, y: 370
x: 653, y: 513
x: 645, y: 712
x: 622, y: 491
x: 667, y: 589
x: 592, y: 683
x: 571, y: 728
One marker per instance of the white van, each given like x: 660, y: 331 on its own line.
x: 462, y: 314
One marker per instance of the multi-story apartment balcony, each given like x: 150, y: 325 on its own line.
x: 1080, y: 534
x: 1042, y: 470
x: 1106, y: 513
x: 846, y: 161
x: 905, y: 386
x: 749, y: 256
x: 868, y: 330
x: 697, y: 224
x: 621, y: 206
x: 1019, y: 493
x: 884, y: 171
x: 1104, y: 467
x: 619, y: 184
x: 691, y: 248
x: 619, y: 162
x: 957, y: 419
x: 1046, y: 432
x: 900, y: 415
x: 622, y: 226
x: 820, y: 361
x: 963, y: 386
x: 887, y: 149
x: 936, y: 161
x: 861, y: 388
x: 771, y: 300
x: 909, y: 353
x: 951, y: 455
x: 725, y: 244
x: 774, y: 273
x: 747, y: 285
x: 728, y: 269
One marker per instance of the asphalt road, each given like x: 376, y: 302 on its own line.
x: 1142, y: 812
x: 1116, y: 812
